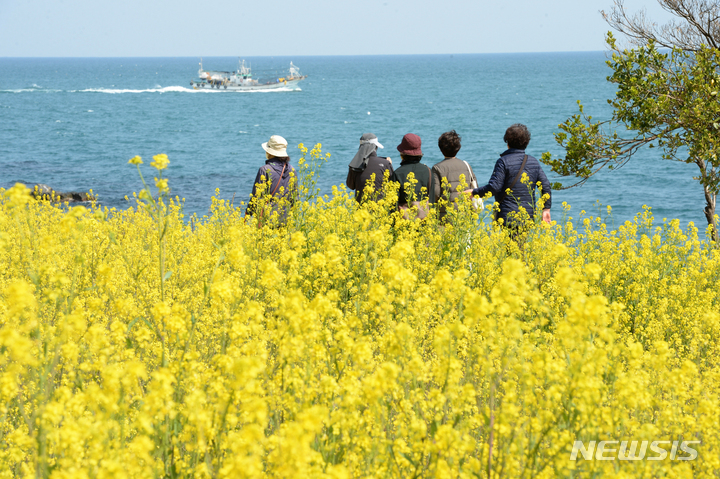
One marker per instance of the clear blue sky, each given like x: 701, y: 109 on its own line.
x: 103, y: 28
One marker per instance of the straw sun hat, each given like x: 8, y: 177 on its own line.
x: 276, y: 146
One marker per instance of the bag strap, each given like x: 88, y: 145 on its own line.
x: 502, y: 194
x: 517, y: 177
x: 472, y: 178
x: 283, y: 172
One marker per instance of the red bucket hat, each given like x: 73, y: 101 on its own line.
x: 410, y: 145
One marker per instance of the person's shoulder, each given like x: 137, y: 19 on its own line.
x: 467, y: 163
x: 440, y: 163
x: 518, y: 158
x: 382, y: 161
x: 514, y: 158
x: 420, y: 166
x: 456, y: 162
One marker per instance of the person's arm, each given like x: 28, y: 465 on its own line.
x: 546, y: 216
x: 436, y: 185
x: 497, y: 180
x: 431, y: 182
x: 546, y: 188
x: 352, y: 179
x: 390, y: 174
x: 259, y: 179
x: 293, y: 187
x: 396, y: 179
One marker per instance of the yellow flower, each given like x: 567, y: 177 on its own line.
x: 162, y: 185
x: 135, y: 160
x: 348, y: 343
x: 145, y: 195
x: 160, y: 162
x: 18, y: 194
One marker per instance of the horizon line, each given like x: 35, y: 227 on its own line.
x: 295, y: 55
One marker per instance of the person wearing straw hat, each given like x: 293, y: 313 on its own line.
x: 364, y: 165
x: 278, y: 176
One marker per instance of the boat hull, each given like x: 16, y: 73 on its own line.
x: 292, y: 84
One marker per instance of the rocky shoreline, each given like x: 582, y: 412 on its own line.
x: 41, y: 191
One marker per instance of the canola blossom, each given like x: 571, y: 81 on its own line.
x: 349, y: 342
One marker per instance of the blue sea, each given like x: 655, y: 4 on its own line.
x: 73, y: 123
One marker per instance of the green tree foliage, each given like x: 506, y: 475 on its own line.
x: 667, y: 98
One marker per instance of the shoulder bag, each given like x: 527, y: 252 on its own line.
x: 477, y: 202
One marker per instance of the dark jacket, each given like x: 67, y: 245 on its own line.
x: 506, y: 168
x: 272, y: 170
x: 357, y: 179
x: 450, y: 169
x: 422, y: 175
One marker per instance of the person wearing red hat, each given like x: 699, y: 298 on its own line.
x: 450, y: 170
x: 409, y: 194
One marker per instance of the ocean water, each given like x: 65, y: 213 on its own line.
x: 73, y: 123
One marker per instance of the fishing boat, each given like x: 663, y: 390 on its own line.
x: 242, y: 79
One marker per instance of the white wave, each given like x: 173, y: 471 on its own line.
x: 242, y: 131
x: 90, y: 111
x: 27, y: 90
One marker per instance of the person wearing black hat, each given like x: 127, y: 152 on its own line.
x: 408, y: 194
x: 364, y: 165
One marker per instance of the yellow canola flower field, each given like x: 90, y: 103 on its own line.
x: 349, y: 343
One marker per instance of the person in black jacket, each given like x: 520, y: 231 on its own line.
x: 365, y: 164
x: 418, y: 194
x: 507, y: 169
x: 411, y: 156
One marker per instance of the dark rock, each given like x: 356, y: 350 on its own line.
x: 44, y: 191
